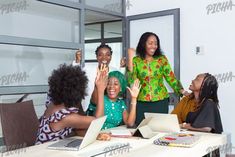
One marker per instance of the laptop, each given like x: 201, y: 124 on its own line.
x: 163, y: 122
x: 77, y: 144
x: 144, y: 130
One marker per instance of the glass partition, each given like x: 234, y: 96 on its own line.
x: 114, y: 5
x: 40, y: 20
x: 113, y: 29
x: 25, y: 65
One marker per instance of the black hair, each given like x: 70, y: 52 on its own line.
x: 103, y: 46
x: 209, y: 89
x: 141, y: 47
x: 67, y: 85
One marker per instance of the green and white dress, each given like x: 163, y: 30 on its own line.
x: 113, y: 111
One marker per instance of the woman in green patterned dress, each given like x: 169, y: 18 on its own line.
x: 115, y: 107
x: 151, y: 67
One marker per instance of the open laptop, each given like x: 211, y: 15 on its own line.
x: 77, y: 144
x: 163, y: 122
x: 144, y: 130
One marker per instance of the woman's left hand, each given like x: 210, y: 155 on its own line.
x: 186, y: 126
x: 123, y: 62
x: 184, y: 92
x: 135, y: 89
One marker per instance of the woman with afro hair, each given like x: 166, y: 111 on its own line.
x: 67, y: 88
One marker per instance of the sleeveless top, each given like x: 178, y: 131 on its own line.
x: 45, y: 133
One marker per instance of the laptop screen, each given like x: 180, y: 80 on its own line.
x: 163, y: 122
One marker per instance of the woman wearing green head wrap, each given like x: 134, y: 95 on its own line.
x: 114, y: 107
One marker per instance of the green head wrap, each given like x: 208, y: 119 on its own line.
x: 121, y: 78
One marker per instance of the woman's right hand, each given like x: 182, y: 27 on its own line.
x: 104, y: 137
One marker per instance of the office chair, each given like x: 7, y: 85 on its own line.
x: 19, y: 124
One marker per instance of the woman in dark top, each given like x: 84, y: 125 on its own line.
x: 207, y: 117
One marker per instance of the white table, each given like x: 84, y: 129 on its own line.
x: 138, y: 148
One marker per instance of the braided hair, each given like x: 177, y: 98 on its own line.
x: 209, y: 89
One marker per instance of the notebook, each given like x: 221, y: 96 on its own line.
x: 77, y: 144
x: 178, y: 140
x: 163, y: 122
x: 121, y: 133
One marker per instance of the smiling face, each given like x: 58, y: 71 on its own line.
x: 104, y: 56
x: 151, y: 45
x: 196, y: 83
x: 113, y: 88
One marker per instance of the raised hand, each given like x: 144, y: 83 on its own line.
x: 101, y: 78
x: 123, y: 62
x: 131, y: 54
x: 78, y: 56
x: 135, y: 89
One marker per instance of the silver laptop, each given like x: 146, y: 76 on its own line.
x: 77, y: 144
x: 163, y: 122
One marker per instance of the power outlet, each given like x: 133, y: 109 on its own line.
x: 199, y: 50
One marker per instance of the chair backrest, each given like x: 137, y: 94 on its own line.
x: 19, y: 124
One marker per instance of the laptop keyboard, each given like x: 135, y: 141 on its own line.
x: 74, y: 143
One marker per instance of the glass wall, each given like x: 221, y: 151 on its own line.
x: 40, y: 20
x: 37, y: 36
x: 92, y: 31
x: 110, y: 5
x: 102, y: 28
x: 27, y: 65
x: 113, y: 29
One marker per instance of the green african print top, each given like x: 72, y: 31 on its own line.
x: 151, y: 74
x: 113, y: 111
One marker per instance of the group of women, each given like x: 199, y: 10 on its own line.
x: 147, y: 68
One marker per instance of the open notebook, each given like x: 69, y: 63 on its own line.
x: 178, y: 140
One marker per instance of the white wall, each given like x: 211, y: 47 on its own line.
x: 215, y: 32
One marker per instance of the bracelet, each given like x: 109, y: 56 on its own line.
x: 133, y: 102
